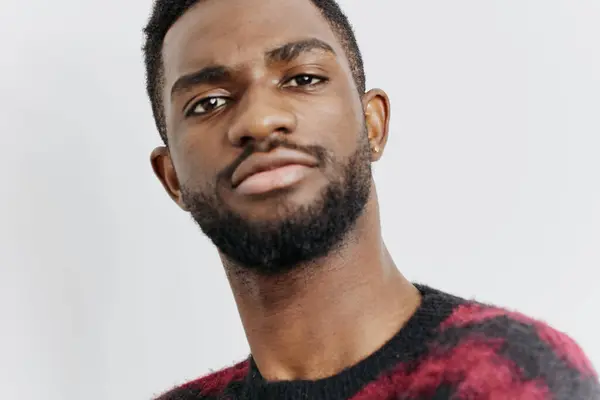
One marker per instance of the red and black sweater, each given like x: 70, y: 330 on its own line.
x: 451, y: 348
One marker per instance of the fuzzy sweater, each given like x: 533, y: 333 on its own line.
x: 451, y: 348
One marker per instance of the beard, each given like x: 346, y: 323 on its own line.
x: 300, y: 234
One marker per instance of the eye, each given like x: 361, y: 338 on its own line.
x: 304, y: 80
x: 207, y: 105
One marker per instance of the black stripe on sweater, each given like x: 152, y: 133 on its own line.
x: 535, y: 358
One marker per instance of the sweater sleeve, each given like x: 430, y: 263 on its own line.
x: 493, y: 353
x: 549, y: 361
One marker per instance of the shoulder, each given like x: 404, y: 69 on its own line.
x: 210, y: 386
x: 506, y: 351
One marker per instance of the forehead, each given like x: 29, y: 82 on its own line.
x: 237, y: 32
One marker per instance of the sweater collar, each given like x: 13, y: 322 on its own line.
x: 408, y: 344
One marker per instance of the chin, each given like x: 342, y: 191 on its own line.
x: 279, y: 207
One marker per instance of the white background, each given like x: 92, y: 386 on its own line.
x: 489, y: 186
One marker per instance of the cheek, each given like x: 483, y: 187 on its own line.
x: 196, y: 164
x: 340, y: 123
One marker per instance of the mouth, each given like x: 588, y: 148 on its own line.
x: 265, y: 172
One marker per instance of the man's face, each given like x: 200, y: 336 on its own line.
x: 268, y: 146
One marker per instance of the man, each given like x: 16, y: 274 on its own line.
x: 269, y: 138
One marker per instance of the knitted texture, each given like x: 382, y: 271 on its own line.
x: 450, y: 348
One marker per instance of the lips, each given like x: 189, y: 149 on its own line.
x: 261, y: 162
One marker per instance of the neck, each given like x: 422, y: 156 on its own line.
x: 319, y: 319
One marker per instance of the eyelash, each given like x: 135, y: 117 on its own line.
x: 190, y: 113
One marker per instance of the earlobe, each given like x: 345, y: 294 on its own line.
x: 376, y: 107
x: 162, y: 165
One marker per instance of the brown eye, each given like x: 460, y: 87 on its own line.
x: 207, y: 105
x: 304, y: 80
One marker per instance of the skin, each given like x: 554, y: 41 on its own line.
x: 299, y: 325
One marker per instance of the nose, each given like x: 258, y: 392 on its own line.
x: 260, y: 114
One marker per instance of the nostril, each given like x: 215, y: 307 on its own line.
x: 245, y: 140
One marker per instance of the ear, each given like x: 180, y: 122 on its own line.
x: 376, y: 107
x: 162, y: 164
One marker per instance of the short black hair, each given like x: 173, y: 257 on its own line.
x: 166, y: 12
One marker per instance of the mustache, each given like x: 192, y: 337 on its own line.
x: 267, y: 145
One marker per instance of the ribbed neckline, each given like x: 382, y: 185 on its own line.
x: 407, y: 345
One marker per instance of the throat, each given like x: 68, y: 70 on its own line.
x: 319, y: 325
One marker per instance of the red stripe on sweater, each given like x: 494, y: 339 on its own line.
x: 217, y: 382
x: 563, y: 345
x: 473, y: 369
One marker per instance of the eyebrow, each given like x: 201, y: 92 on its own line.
x: 290, y: 51
x: 218, y: 73
x: 211, y: 74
